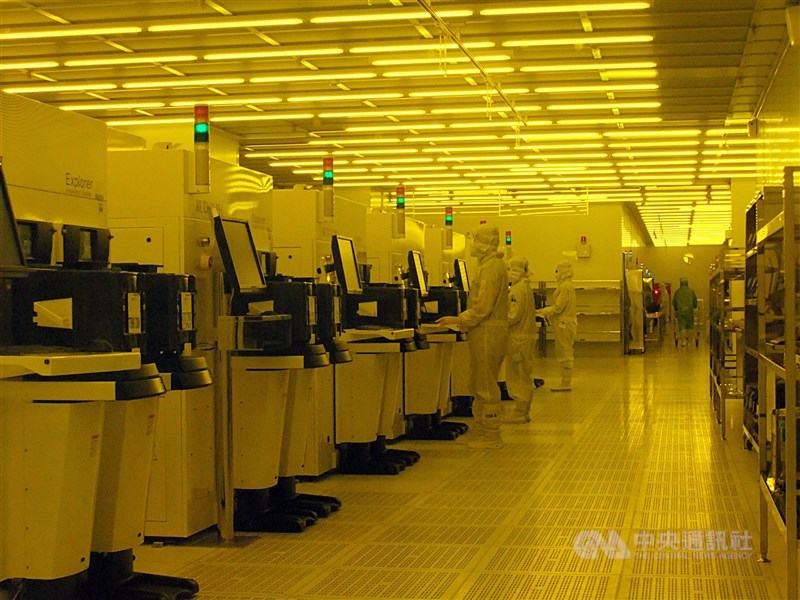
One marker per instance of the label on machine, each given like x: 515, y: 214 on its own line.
x: 187, y: 310
x: 134, y: 313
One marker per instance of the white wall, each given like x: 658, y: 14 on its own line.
x: 543, y: 238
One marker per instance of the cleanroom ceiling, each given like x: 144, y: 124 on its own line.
x: 515, y: 107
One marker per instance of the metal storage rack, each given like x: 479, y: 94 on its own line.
x: 776, y: 252
x: 598, y: 306
x: 726, y: 329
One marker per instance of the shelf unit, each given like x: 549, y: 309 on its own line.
x: 598, y: 307
x: 726, y: 287
x: 771, y: 360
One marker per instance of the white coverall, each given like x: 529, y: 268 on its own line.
x: 564, y: 318
x: 521, y: 339
x: 486, y: 320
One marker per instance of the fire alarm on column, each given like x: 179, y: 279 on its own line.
x: 583, y: 239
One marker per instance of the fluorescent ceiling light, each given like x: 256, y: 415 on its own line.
x: 727, y: 131
x: 456, y: 93
x: 604, y: 105
x: 382, y: 161
x: 730, y: 142
x: 575, y: 165
x: 357, y: 177
x: 300, y: 153
x: 111, y: 106
x: 343, y: 97
x: 576, y: 156
x: 395, y: 15
x: 298, y: 163
x: 61, y: 87
x: 339, y: 171
x: 226, y: 101
x: 730, y: 152
x: 547, y: 147
x: 400, y: 127
x: 261, y: 117
x: 655, y: 143
x: 654, y: 163
x: 28, y: 65
x: 729, y: 161
x: 373, y: 151
x: 641, y: 154
x: 610, y: 121
x: 597, y: 87
x: 451, y: 72
x: 534, y: 9
x: 483, y: 110
x: 144, y: 121
x: 634, y: 133
x: 451, y: 138
x: 365, y: 114
x: 222, y: 24
x: 501, y: 123
x: 409, y: 169
x: 280, y: 52
x: 471, y: 166
x: 475, y: 158
x: 333, y: 142
x: 65, y: 31
x: 586, y: 40
x: 465, y: 149
x: 438, y: 60
x: 541, y: 137
x: 409, y: 48
x: 312, y: 77
x: 650, y: 177
x: 181, y: 82
x: 658, y: 170
x: 727, y: 168
x: 130, y: 60
x: 591, y: 66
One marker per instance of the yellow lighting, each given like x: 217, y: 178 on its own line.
x: 407, y: 48
x: 581, y: 156
x: 300, y: 153
x: 452, y: 72
x: 453, y: 159
x: 374, y: 152
x: 658, y: 170
x: 639, y: 154
x: 396, y: 15
x: 227, y: 101
x: 181, y: 82
x: 426, y: 169
x: 326, y: 142
x: 500, y: 123
x: 41, y: 64
x: 455, y: 93
x: 403, y: 127
x: 548, y: 147
x: 655, y: 163
x: 312, y: 77
x: 397, y: 62
x: 357, y: 177
x: 586, y: 40
x: 261, y: 117
x: 344, y: 97
x: 466, y: 149
x: 450, y: 138
x: 727, y: 131
x: 111, y: 106
x: 158, y: 121
x: 546, y: 137
x: 730, y: 142
x: 79, y: 87
x: 130, y: 60
x: 604, y: 106
x: 370, y: 113
x: 223, y: 24
x: 592, y: 66
x: 378, y: 161
x: 598, y: 87
x: 536, y: 10
x: 729, y: 161
x: 281, y: 52
x: 727, y: 152
x: 483, y: 110
x: 299, y: 163
x: 634, y: 133
x: 650, y: 177
x: 654, y: 143
x: 610, y: 121
x: 510, y: 166
x: 339, y: 170
x: 575, y: 165
x: 728, y: 168
x: 65, y: 31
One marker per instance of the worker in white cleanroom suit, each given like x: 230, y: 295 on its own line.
x: 564, y: 318
x: 521, y: 340
x: 486, y: 320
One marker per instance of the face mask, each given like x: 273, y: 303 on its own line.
x: 514, y: 276
x: 473, y: 249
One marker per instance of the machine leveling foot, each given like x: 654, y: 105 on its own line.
x: 284, y: 497
x: 379, y: 450
x: 111, y: 577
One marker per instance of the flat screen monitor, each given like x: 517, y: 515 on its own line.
x: 416, y: 271
x: 462, y: 278
x: 239, y: 255
x: 11, y: 254
x: 344, y: 260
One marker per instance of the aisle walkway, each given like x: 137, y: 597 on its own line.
x: 632, y: 452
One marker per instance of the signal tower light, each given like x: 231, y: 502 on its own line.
x: 508, y: 237
x: 201, y: 127
x: 327, y: 170
x: 448, y: 227
x: 202, y: 164
x: 400, y: 195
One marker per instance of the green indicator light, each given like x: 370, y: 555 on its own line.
x: 327, y: 174
x: 201, y: 127
x: 401, y: 201
x: 508, y: 240
x: 448, y: 219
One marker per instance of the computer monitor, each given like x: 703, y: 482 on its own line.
x: 344, y: 260
x: 239, y: 255
x: 416, y: 272
x: 11, y: 254
x: 462, y: 278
